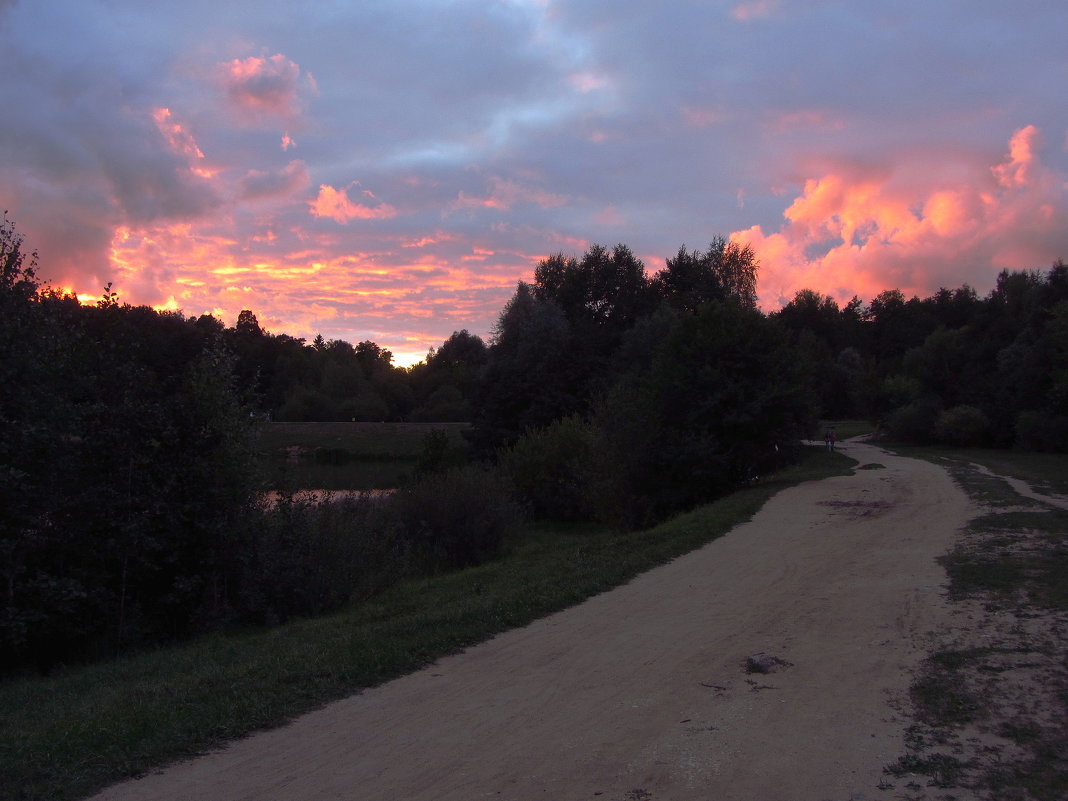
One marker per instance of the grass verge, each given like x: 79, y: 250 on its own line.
x: 65, y: 736
x: 991, y: 704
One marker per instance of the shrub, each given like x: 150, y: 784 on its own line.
x: 435, y: 453
x: 962, y: 425
x: 446, y: 404
x: 548, y: 468
x: 306, y: 555
x: 913, y: 422
x: 457, y: 518
x: 332, y: 455
x: 1041, y: 431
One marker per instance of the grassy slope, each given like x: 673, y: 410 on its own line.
x: 65, y: 736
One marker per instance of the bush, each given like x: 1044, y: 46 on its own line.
x: 446, y: 404
x: 962, y: 425
x: 457, y: 518
x: 548, y: 468
x: 1041, y: 431
x: 913, y: 422
x: 307, y: 554
x: 705, y: 403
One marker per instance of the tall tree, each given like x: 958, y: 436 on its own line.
x: 528, y: 380
x: 713, y: 399
x: 725, y: 270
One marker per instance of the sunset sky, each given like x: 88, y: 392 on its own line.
x: 389, y: 169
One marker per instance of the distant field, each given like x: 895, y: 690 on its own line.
x: 347, y: 456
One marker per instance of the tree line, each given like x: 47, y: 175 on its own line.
x: 130, y: 510
x: 952, y: 368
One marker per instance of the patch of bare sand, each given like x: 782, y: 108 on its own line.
x: 641, y: 693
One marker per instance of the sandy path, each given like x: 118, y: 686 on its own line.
x: 641, y: 693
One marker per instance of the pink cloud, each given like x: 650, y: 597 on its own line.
x: 586, y: 82
x: 505, y: 194
x: 862, y: 230
x: 177, y: 136
x: 1019, y: 169
x: 610, y: 216
x: 264, y: 85
x: 804, y: 119
x: 755, y: 9
x: 337, y: 205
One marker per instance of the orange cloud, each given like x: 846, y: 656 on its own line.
x: 336, y: 204
x: 1020, y: 168
x: 318, y: 286
x: 855, y: 231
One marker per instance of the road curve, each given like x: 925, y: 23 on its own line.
x: 641, y: 692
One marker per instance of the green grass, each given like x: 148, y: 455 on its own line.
x: 65, y: 736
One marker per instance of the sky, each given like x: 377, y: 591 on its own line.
x: 390, y: 169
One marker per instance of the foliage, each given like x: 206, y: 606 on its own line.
x: 435, y: 452
x: 713, y: 402
x: 307, y: 555
x: 913, y: 360
x: 962, y: 425
x: 913, y: 422
x: 126, y: 451
x: 1041, y: 430
x: 453, y: 519
x: 726, y: 270
x: 548, y: 468
x: 532, y: 376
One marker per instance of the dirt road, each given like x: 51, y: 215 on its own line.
x: 642, y: 693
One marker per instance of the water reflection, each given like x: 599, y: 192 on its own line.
x: 323, y: 495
